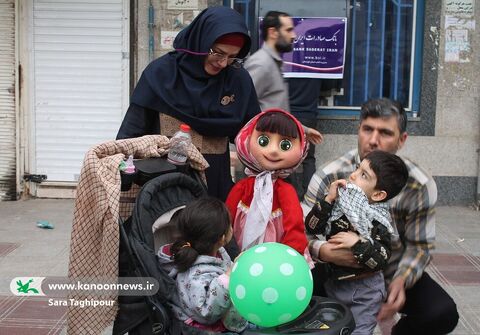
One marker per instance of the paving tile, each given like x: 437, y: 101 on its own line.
x: 458, y: 269
x: 24, y: 330
x: 6, y: 248
x: 7, y: 304
x: 443, y: 259
x: 30, y: 315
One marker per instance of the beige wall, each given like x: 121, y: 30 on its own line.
x: 457, y: 131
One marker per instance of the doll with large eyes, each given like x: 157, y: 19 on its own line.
x: 263, y: 206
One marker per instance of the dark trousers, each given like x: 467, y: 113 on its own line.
x: 428, y: 308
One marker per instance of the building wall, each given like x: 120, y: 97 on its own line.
x: 170, y: 16
x: 457, y: 130
x: 445, y: 140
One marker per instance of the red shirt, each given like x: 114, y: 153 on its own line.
x: 286, y: 221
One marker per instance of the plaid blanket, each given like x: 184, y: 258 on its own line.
x: 94, y: 243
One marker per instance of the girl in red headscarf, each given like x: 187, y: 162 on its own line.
x: 264, y: 207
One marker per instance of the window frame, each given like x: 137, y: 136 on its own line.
x: 413, y: 108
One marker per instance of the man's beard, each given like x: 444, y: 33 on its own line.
x: 283, y: 45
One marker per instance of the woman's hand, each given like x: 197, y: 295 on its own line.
x: 313, y: 135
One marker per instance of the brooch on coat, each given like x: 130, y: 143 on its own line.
x: 228, y: 99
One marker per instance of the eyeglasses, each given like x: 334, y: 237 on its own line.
x: 232, y: 61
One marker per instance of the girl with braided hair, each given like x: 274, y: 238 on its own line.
x: 201, y: 267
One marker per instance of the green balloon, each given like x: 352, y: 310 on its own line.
x: 270, y: 284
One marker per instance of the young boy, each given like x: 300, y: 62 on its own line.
x: 354, y: 214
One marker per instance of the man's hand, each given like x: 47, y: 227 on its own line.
x: 395, y: 300
x: 342, y: 257
x: 344, y: 239
x: 313, y: 135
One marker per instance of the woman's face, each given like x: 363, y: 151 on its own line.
x: 221, y: 57
x: 274, y: 151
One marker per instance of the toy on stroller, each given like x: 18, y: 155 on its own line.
x: 156, y: 202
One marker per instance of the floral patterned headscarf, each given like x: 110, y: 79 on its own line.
x: 261, y: 206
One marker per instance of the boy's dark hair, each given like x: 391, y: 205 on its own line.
x: 271, y: 20
x: 201, y: 224
x: 383, y: 107
x: 390, y: 170
x: 276, y: 122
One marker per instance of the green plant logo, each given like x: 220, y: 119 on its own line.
x: 25, y: 288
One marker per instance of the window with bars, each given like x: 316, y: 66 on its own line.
x: 383, y: 54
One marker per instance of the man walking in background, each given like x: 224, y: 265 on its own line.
x: 265, y: 66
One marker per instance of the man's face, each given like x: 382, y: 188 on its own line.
x: 286, y: 35
x: 380, y: 134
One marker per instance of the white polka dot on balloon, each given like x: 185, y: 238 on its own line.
x: 292, y: 252
x: 286, y: 269
x: 234, y: 267
x: 240, y: 291
x: 284, y: 318
x: 270, y: 295
x: 260, y: 249
x: 301, y: 293
x: 256, y: 269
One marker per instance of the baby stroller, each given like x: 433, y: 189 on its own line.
x: 156, y: 202
x: 97, y: 238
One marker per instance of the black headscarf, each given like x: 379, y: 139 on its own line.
x: 177, y: 84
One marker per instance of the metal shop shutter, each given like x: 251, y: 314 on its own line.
x: 80, y: 80
x: 7, y: 101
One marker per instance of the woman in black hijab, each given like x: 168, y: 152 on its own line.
x: 201, y: 84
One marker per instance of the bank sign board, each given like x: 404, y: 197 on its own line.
x: 318, y: 50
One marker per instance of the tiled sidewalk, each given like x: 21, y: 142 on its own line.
x: 32, y: 315
x: 456, y: 263
x: 26, y: 250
